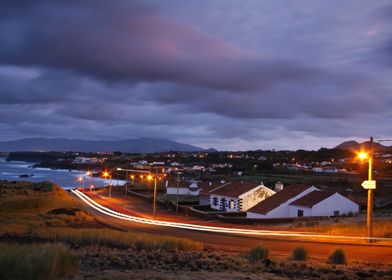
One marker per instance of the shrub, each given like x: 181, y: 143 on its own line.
x: 300, y: 254
x: 259, y: 252
x: 36, y: 261
x: 338, y: 257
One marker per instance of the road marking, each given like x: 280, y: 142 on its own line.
x: 109, y: 212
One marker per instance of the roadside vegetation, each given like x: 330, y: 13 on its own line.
x: 116, y: 239
x: 382, y: 227
x: 300, y: 254
x: 35, y: 261
x: 338, y: 257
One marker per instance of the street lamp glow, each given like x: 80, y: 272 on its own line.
x: 149, y: 177
x: 363, y: 155
x: 132, y: 177
x: 88, y: 173
x: 80, y: 179
x: 119, y: 169
x: 105, y: 174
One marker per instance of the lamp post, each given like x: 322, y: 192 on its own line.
x: 90, y: 174
x: 370, y: 185
x: 178, y: 186
x: 105, y: 175
x: 81, y: 180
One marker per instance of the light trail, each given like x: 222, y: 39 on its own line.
x: 109, y: 212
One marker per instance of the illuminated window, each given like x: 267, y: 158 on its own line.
x: 232, y: 204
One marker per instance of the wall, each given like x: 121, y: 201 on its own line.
x: 204, y: 199
x: 181, y: 191
x: 332, y: 203
x: 251, y: 198
x: 327, y: 207
x: 226, y: 201
x: 281, y: 211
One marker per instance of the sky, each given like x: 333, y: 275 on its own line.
x: 226, y: 74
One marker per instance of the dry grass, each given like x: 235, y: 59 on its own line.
x: 117, y: 239
x: 36, y: 261
x: 381, y: 228
x: 24, y: 206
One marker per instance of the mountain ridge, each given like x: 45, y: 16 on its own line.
x: 135, y: 145
x: 354, y: 145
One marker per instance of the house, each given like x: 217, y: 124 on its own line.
x: 303, y: 200
x: 277, y: 205
x: 184, y: 188
x: 322, y: 203
x: 238, y: 196
x: 205, y: 189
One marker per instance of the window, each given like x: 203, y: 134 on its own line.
x: 215, y: 201
x: 223, y: 204
x: 300, y: 213
x: 232, y: 204
x: 336, y: 213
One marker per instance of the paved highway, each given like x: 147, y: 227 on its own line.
x: 374, y: 253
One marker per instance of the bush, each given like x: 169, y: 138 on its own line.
x: 300, y: 254
x: 338, y: 257
x: 258, y: 252
x: 36, y: 261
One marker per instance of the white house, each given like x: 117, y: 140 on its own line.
x: 303, y: 201
x: 184, y: 188
x: 238, y: 196
x: 277, y: 205
x: 321, y: 203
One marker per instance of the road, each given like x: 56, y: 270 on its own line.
x: 372, y: 253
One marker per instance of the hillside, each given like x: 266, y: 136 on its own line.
x: 354, y: 145
x: 138, y: 145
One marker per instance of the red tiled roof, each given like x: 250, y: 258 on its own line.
x: 206, y: 188
x: 312, y: 198
x: 235, y: 189
x: 279, y: 198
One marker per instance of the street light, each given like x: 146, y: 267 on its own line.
x: 370, y: 184
x: 105, y: 175
x: 90, y: 174
x: 149, y: 178
x: 81, y: 180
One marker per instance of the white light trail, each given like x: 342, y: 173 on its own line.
x: 109, y: 212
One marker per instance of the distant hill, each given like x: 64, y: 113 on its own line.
x: 138, y: 145
x: 354, y: 145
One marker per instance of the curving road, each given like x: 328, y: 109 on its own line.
x: 234, y: 242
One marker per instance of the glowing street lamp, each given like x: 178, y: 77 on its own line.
x: 106, y: 175
x: 81, y: 180
x: 369, y: 157
x: 149, y: 178
x: 90, y: 174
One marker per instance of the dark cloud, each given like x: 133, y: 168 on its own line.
x: 215, y: 74
x: 132, y: 42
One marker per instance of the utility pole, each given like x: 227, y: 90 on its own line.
x: 178, y: 186
x: 370, y: 193
x: 155, y: 196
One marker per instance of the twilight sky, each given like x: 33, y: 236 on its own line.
x: 233, y: 75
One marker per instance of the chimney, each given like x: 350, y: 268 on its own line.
x: 278, y: 186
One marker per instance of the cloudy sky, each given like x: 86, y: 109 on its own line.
x: 233, y: 75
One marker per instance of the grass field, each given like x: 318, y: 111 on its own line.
x: 35, y: 261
